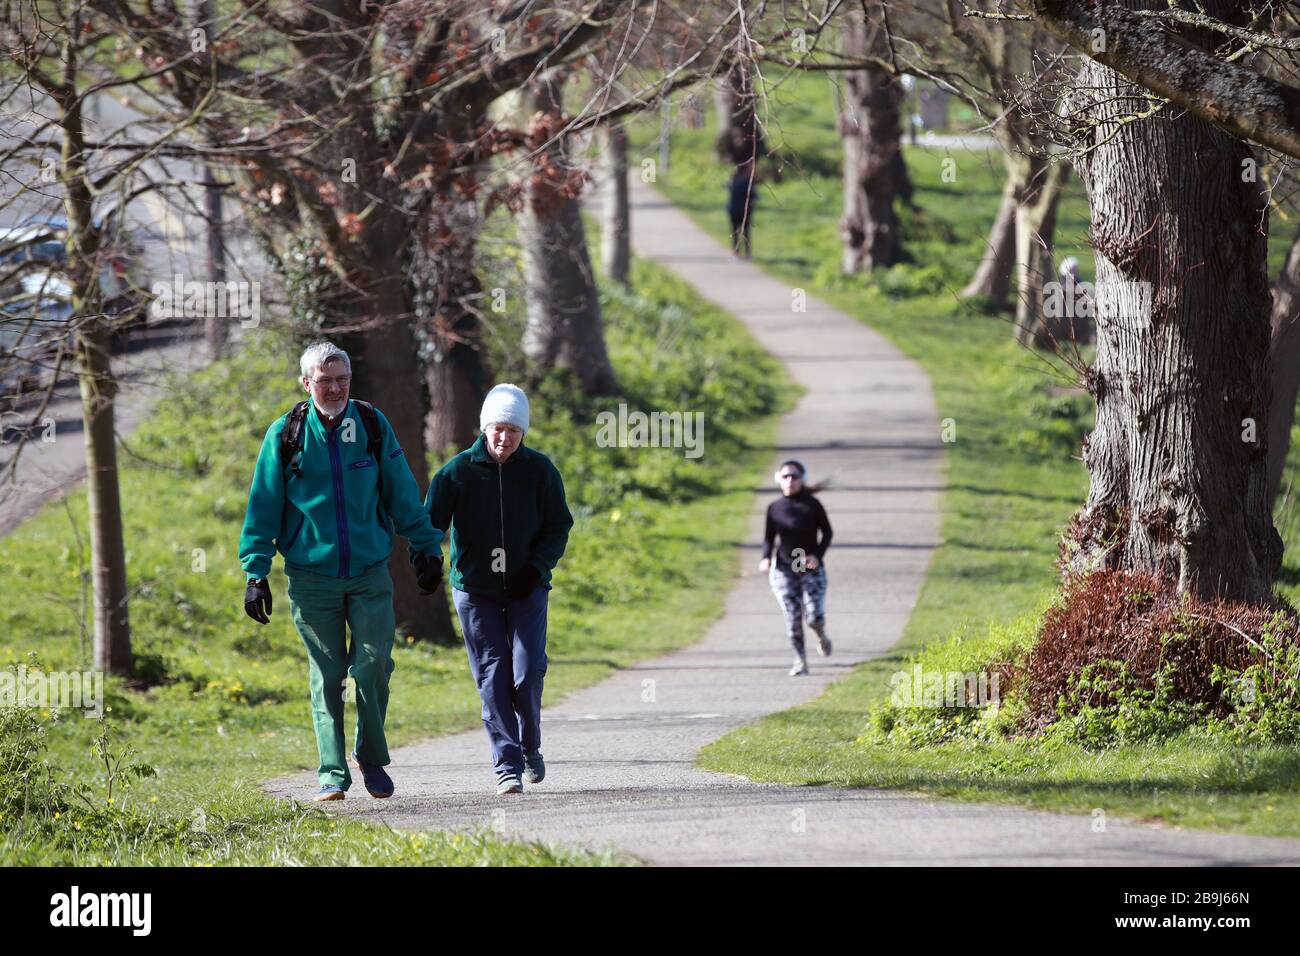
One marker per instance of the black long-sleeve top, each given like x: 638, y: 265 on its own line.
x: 796, y: 520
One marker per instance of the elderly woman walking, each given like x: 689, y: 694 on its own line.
x: 509, y: 525
x: 798, y: 575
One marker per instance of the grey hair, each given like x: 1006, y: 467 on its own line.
x: 319, y: 353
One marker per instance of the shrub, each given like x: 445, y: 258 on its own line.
x: 1140, y: 620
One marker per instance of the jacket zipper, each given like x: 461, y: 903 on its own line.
x: 501, y: 504
x: 340, y: 514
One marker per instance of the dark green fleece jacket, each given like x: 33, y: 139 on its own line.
x: 502, y: 516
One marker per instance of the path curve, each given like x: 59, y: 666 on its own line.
x: 621, y: 769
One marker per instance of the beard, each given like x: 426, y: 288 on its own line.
x: 332, y: 409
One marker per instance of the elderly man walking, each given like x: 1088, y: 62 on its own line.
x: 330, y: 488
x: 509, y: 526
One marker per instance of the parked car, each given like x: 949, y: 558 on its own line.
x: 36, y: 297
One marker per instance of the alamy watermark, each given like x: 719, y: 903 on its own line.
x: 53, y: 690
x: 930, y: 688
x: 654, y: 430
x: 1115, y: 301
x: 196, y: 300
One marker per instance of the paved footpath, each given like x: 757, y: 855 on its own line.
x: 620, y: 768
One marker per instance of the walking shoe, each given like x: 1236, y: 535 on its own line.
x: 800, y: 667
x: 328, y: 792
x: 534, y: 767
x: 378, y: 783
x: 509, y: 783
x: 823, y: 645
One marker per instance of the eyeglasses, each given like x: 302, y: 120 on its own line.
x: 789, y: 477
x: 341, y: 381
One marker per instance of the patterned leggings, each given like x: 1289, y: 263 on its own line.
x: 793, y: 589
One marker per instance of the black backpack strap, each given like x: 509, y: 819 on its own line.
x: 291, y: 437
x: 374, y: 442
x: 374, y: 438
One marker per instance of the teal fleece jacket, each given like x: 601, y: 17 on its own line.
x: 502, y: 516
x: 329, y: 518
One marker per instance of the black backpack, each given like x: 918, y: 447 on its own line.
x: 291, y: 439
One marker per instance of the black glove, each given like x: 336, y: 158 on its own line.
x: 257, y: 601
x: 428, y: 571
x: 522, y: 582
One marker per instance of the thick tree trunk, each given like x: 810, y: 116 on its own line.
x: 1285, y: 356
x: 564, y: 329
x: 615, y: 233
x: 449, y: 299
x: 448, y: 296
x: 869, y: 128
x: 1037, y: 324
x: 1177, y: 465
x: 992, y: 279
x: 386, y: 372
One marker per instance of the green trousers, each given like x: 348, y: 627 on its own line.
x: 324, y: 609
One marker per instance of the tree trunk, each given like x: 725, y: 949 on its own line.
x: 739, y: 139
x: 992, y: 279
x: 563, y: 329
x: 616, y: 229
x: 1176, y: 461
x: 1285, y: 355
x: 98, y: 390
x: 386, y: 372
x: 1035, y: 263
x: 448, y: 295
x: 107, y: 550
x: 389, y: 376
x: 869, y: 128
x: 216, y: 328
x: 903, y: 187
x: 449, y: 299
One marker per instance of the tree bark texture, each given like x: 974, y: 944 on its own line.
x: 1035, y: 262
x: 1177, y: 458
x: 992, y: 279
x: 1238, y: 99
x: 869, y: 129
x: 564, y: 329
x: 615, y: 234
x: 1285, y: 354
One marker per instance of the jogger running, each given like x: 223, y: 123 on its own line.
x: 798, y: 575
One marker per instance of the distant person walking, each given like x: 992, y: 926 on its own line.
x: 330, y: 489
x: 798, y: 575
x: 509, y: 527
x: 742, y: 194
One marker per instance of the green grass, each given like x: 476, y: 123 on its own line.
x: 648, y: 565
x: 1012, y: 482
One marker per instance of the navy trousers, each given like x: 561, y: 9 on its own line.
x: 507, y: 655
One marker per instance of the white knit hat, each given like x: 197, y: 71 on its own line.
x: 506, y: 404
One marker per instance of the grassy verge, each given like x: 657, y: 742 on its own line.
x: 228, y: 708
x: 1012, y: 483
